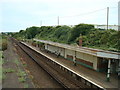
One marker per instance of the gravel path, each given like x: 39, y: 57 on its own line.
x: 11, y: 79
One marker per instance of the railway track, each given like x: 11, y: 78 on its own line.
x: 63, y: 78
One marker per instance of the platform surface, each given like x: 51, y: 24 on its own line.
x: 94, y: 76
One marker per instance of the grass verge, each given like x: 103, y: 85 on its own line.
x: 21, y: 76
x: 8, y: 70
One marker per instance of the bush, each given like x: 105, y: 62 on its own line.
x: 4, y: 44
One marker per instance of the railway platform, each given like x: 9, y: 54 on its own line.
x: 97, y: 78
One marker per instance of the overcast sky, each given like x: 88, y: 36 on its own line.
x: 17, y: 15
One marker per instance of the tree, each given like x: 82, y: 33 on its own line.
x: 62, y: 33
x: 31, y: 32
x: 80, y: 29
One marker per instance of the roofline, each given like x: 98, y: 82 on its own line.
x: 90, y: 51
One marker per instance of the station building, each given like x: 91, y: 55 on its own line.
x: 98, y: 60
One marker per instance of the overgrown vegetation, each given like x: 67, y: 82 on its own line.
x: 16, y: 62
x: 21, y: 76
x: 21, y: 79
x: 92, y: 37
x: 21, y: 73
x: 26, y: 86
x: 1, y: 66
x: 3, y: 42
x: 8, y: 70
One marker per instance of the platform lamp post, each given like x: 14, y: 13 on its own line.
x: 119, y: 16
x: 74, y: 59
x: 40, y: 23
x: 58, y: 20
x: 107, y: 17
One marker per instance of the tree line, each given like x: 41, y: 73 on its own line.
x: 92, y: 37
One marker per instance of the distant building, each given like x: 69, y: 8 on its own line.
x: 115, y: 27
x: 119, y: 15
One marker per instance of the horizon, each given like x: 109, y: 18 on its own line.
x: 61, y: 25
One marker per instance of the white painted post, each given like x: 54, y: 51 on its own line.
x: 74, y: 59
x: 58, y: 50
x: 36, y: 44
x: 65, y: 56
x: 108, y: 73
x: 47, y: 47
